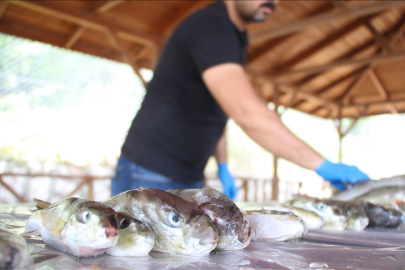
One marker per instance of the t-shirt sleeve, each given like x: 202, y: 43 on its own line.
x: 214, y: 41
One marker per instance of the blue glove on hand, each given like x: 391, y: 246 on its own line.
x: 227, y: 180
x: 339, y: 174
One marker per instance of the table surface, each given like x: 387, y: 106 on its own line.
x: 319, y: 249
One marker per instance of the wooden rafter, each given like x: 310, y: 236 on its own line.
x: 99, y: 8
x: 381, y: 89
x: 56, y: 40
x: 125, y: 55
x: 75, y: 37
x: 381, y: 40
x: 3, y: 7
x: 86, y: 20
x: 102, y: 7
x: 391, y: 35
x: 347, y: 14
x: 392, y: 57
x: 330, y: 85
x: 320, y: 45
x: 259, y: 53
x: 352, y: 89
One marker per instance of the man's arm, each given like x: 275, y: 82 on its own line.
x: 232, y: 90
x: 221, y: 153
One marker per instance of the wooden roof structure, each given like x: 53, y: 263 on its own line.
x: 329, y: 58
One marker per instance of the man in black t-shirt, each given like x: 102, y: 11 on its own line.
x: 199, y: 82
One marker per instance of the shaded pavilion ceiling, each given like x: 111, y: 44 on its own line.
x: 328, y: 58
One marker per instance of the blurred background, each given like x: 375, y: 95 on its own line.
x: 65, y: 114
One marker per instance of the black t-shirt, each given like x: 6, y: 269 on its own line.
x: 179, y: 124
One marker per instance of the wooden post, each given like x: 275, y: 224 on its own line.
x: 275, y: 184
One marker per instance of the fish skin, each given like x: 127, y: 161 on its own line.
x: 77, y: 226
x: 357, y: 218
x: 179, y: 226
x: 273, y: 225
x: 14, y: 253
x: 233, y: 228
x: 382, y: 216
x: 382, y: 190
x: 333, y: 215
x: 312, y: 219
x: 135, y: 238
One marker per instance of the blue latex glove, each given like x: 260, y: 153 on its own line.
x: 227, y: 180
x: 339, y: 175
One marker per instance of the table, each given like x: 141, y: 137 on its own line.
x: 319, y: 249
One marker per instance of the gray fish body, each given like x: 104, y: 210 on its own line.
x: 312, y: 219
x: 77, y: 226
x: 272, y: 225
x: 233, y: 228
x: 333, y: 215
x: 357, y: 218
x: 381, y: 216
x: 135, y: 238
x: 383, y: 190
x: 178, y: 225
x: 14, y: 253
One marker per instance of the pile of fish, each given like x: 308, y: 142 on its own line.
x: 133, y: 223
x: 369, y: 204
x: 194, y: 221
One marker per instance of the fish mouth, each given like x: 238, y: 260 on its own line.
x: 245, y: 237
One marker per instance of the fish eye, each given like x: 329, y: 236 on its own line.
x: 84, y: 217
x: 173, y: 220
x: 321, y: 206
x: 124, y: 223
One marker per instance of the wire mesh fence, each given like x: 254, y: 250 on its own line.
x: 62, y: 111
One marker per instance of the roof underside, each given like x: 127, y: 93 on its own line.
x: 327, y: 58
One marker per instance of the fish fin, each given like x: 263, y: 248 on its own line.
x: 41, y: 204
x: 141, y: 188
x: 34, y: 232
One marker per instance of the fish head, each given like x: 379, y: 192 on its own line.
x: 334, y: 215
x: 178, y: 225
x: 357, y: 217
x: 234, y: 229
x: 135, y: 238
x: 91, y: 228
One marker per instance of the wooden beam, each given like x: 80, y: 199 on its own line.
x: 340, y: 4
x: 9, y: 188
x: 260, y: 52
x: 347, y: 14
x: 392, y: 57
x: 3, y: 7
x: 301, y: 93
x: 305, y: 54
x: 377, y: 83
x: 58, y: 41
x: 353, y: 88
x: 85, y: 19
x: 76, y: 35
x: 125, y: 56
x: 381, y: 40
x: 103, y: 7
x: 330, y: 85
